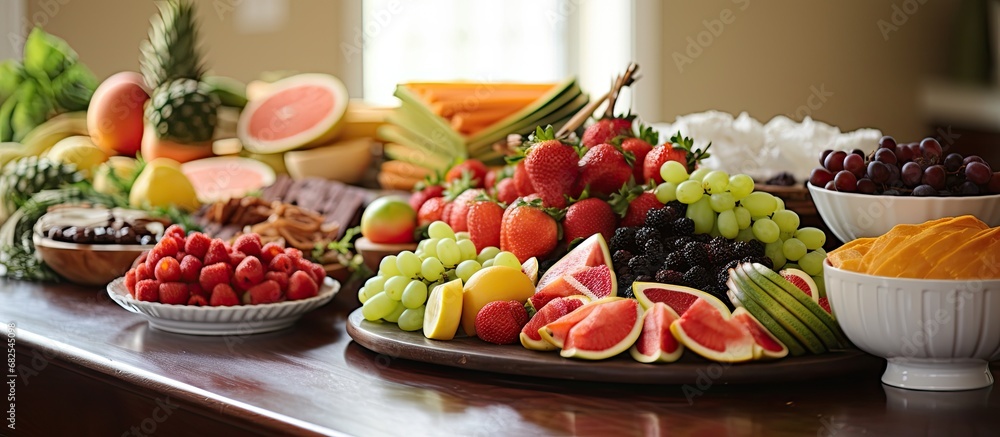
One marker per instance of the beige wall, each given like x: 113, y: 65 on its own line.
x: 766, y: 61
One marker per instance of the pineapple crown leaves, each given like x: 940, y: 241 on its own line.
x: 687, y: 145
x: 171, y: 50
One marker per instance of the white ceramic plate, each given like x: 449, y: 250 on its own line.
x: 234, y: 320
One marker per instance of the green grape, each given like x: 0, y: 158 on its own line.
x: 793, y: 249
x: 702, y: 215
x: 464, y: 235
x: 699, y: 174
x: 787, y: 220
x: 791, y: 265
x: 723, y: 201
x: 408, y: 264
x: 759, y: 203
x: 467, y: 268
x: 821, y: 251
x: 362, y: 295
x: 412, y: 319
x: 716, y: 181
x: 785, y: 236
x: 488, y: 263
x: 430, y: 248
x: 746, y: 234
x: 440, y: 229
x: 814, y: 238
x: 431, y: 269
x: 774, y: 251
x: 507, y: 259
x: 740, y: 185
x: 487, y: 254
x: 448, y: 252
x: 467, y: 249
x: 420, y: 247
x: 450, y: 274
x: 715, y: 229
x: 765, y: 230
x: 674, y: 172
x: 727, y: 224
x: 375, y: 284
x: 377, y: 307
x: 393, y: 317
x: 387, y: 267
x: 812, y: 263
x: 779, y: 203
x: 690, y: 191
x: 415, y: 294
x: 742, y: 217
x: 666, y: 191
x: 394, y: 287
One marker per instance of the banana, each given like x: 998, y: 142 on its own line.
x: 44, y: 136
x: 9, y: 152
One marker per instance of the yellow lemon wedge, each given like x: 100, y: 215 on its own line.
x: 443, y: 311
x: 161, y: 183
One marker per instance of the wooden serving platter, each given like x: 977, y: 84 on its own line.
x: 474, y: 354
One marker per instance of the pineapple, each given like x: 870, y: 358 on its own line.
x: 181, y: 109
x: 24, y: 177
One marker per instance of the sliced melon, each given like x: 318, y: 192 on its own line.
x: 226, y: 177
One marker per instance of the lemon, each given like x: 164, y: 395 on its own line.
x: 162, y: 184
x: 443, y: 311
x: 124, y: 169
x: 489, y: 285
x: 79, y: 150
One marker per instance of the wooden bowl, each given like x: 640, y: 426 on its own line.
x: 373, y: 253
x: 88, y: 264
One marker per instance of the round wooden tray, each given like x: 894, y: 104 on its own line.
x: 474, y: 354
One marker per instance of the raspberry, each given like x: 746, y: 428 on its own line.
x: 319, y: 273
x: 174, y: 293
x: 195, y: 289
x: 147, y: 290
x: 306, y: 266
x: 302, y: 286
x: 501, y: 322
x: 152, y: 259
x: 167, y: 246
x: 213, y: 275
x: 168, y: 270
x: 197, y: 244
x: 223, y: 295
x: 142, y: 272
x: 281, y: 263
x: 280, y: 277
x: 130, y: 281
x: 190, y: 268
x: 248, y: 244
x: 174, y: 231
x: 235, y: 258
x: 266, y: 292
x: 293, y: 253
x: 249, y: 272
x: 197, y: 300
x: 217, y: 253
x: 140, y: 260
x: 269, y: 251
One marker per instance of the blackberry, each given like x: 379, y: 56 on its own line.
x: 669, y: 277
x: 702, y: 238
x: 765, y: 261
x: 742, y: 249
x: 675, y: 261
x: 645, y: 234
x: 697, y: 277
x: 719, y: 254
x: 640, y: 265
x: 545, y: 265
x: 621, y: 258
x: 644, y: 278
x: 654, y: 249
x: 624, y: 238
x: 626, y: 292
x: 722, y: 275
x: 678, y: 206
x: 683, y: 227
x: 695, y: 254
x: 659, y: 219
x: 625, y: 280
x: 756, y: 248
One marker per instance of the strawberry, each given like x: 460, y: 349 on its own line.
x: 174, y: 231
x: 632, y: 204
x: 604, y: 169
x: 640, y: 147
x: 431, y: 211
x: 528, y: 231
x: 223, y: 295
x: 484, y: 222
x: 588, y: 217
x: 217, y: 253
x: 473, y: 167
x: 418, y: 198
x: 606, y: 129
x: 174, y: 293
x: 147, y: 290
x: 248, y: 244
x: 269, y: 251
x: 679, y: 149
x: 167, y: 270
x: 130, y: 281
x: 491, y: 178
x: 197, y: 244
x: 265, y: 292
x: 552, y: 167
x: 446, y: 212
x: 301, y: 286
x: 214, y: 274
x: 501, y: 322
x: 460, y: 212
x: 506, y: 191
x: 248, y: 273
x: 522, y: 182
x: 280, y: 277
x: 197, y: 300
x: 281, y: 263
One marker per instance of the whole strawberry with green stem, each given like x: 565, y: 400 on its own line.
x: 607, y: 129
x: 529, y: 230
x: 604, y: 169
x: 587, y: 217
x: 632, y: 204
x: 680, y: 149
x: 640, y: 146
x: 551, y: 165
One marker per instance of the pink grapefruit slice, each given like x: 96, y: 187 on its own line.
x: 610, y: 329
x: 556, y: 308
x: 297, y: 112
x: 677, y: 297
x: 556, y: 332
x: 656, y: 343
x: 713, y: 334
x: 766, y: 345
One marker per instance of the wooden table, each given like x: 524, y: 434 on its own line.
x: 89, y: 367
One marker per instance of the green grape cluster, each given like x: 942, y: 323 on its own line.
x: 398, y: 292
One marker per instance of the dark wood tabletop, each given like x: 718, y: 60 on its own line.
x: 88, y: 367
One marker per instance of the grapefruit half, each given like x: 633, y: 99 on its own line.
x: 297, y: 112
x: 677, y: 297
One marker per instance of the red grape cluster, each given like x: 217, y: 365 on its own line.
x: 918, y: 169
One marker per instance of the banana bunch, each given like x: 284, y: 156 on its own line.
x: 49, y: 81
x: 44, y: 136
